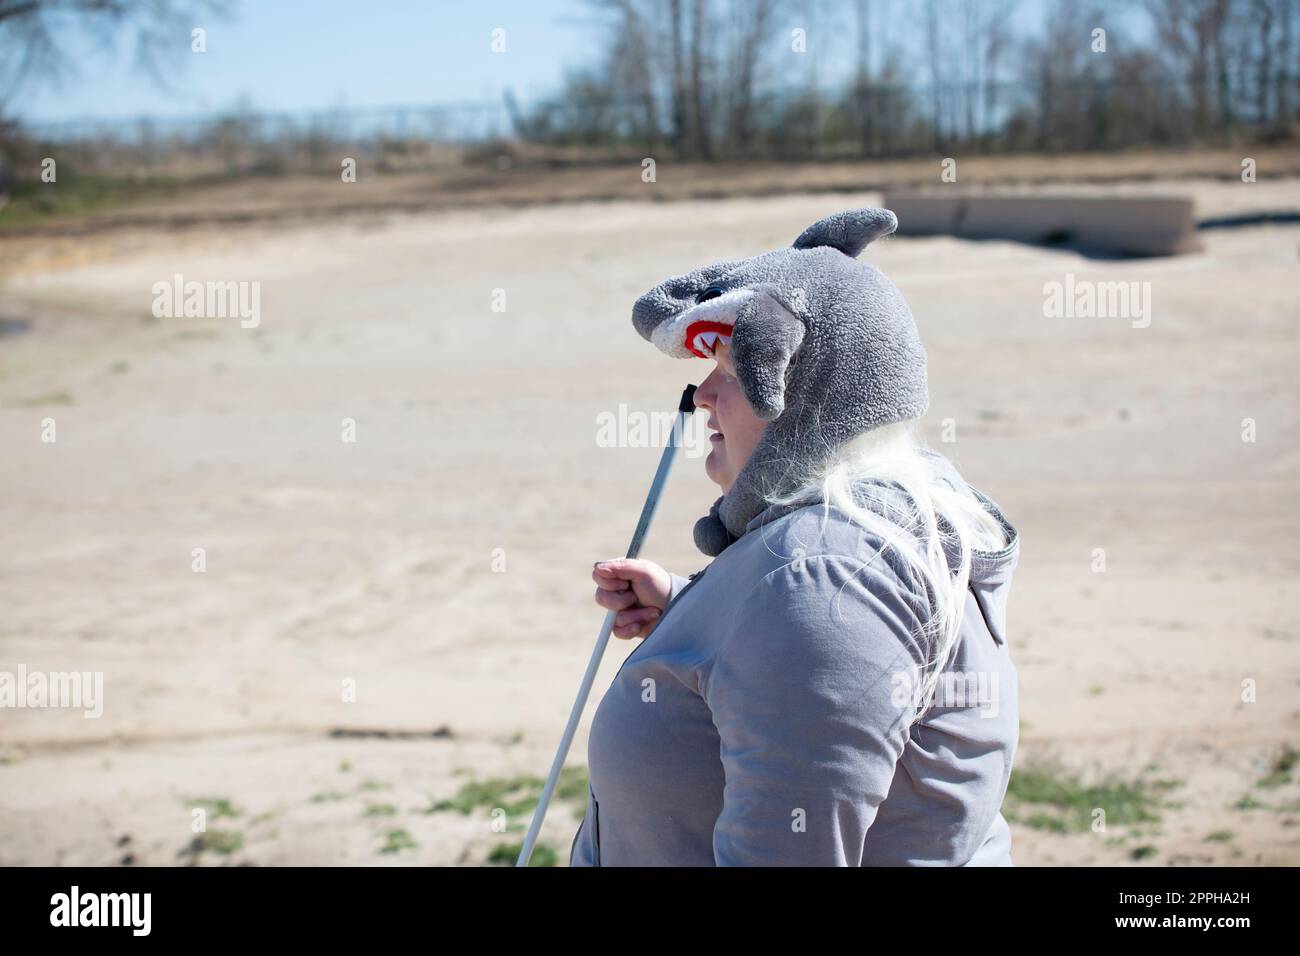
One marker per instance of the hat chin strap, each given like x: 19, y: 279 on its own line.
x: 711, y: 535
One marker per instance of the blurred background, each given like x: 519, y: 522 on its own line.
x: 329, y: 548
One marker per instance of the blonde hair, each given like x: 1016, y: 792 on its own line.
x: 930, y: 520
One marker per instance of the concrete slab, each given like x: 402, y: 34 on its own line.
x: 1125, y: 225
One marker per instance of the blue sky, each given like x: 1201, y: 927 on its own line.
x: 323, y: 54
x: 278, y: 55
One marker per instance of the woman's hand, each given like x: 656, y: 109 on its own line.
x: 637, y: 589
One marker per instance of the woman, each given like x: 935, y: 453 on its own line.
x: 835, y: 687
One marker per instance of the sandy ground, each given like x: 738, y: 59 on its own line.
x: 441, y: 560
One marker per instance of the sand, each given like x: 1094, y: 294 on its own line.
x: 440, y: 562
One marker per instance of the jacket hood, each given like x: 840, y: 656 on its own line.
x: 988, y: 568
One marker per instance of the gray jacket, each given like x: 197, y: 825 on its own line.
x: 765, y: 719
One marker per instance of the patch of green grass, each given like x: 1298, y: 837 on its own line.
x: 1144, y: 852
x: 375, y: 785
x: 380, y: 810
x: 572, y: 785
x: 345, y: 766
x: 71, y: 194
x: 1280, y: 773
x: 52, y: 398
x: 216, y: 807
x: 1062, y: 803
x: 396, y: 841
x: 186, y: 335
x: 1248, y: 802
x: 517, y: 796
x: 219, y: 841
x: 1220, y: 836
x: 1043, y: 821
x: 505, y: 854
x: 328, y: 796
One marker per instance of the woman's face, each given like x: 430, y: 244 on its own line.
x: 736, y: 428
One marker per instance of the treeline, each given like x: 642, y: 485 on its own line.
x: 710, y: 79
x: 744, y: 79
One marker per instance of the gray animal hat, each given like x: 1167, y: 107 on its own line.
x: 824, y: 346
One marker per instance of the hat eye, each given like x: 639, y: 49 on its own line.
x: 712, y: 292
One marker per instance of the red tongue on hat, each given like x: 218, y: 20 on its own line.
x: 697, y: 329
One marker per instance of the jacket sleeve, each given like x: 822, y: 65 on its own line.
x: 811, y: 696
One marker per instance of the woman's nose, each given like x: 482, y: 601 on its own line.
x: 705, y: 392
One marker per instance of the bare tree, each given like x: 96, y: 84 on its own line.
x: 1289, y: 56
x: 700, y: 115
x: 1268, y: 51
x: 33, y: 45
x: 681, y: 132
x: 862, y: 98
x: 632, y: 62
x: 33, y: 33
x: 699, y: 72
x: 934, y: 47
x: 1191, y: 35
x: 752, y: 20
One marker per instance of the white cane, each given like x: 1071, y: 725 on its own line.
x: 684, y: 408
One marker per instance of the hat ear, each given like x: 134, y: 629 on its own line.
x: 764, y: 339
x: 850, y: 232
